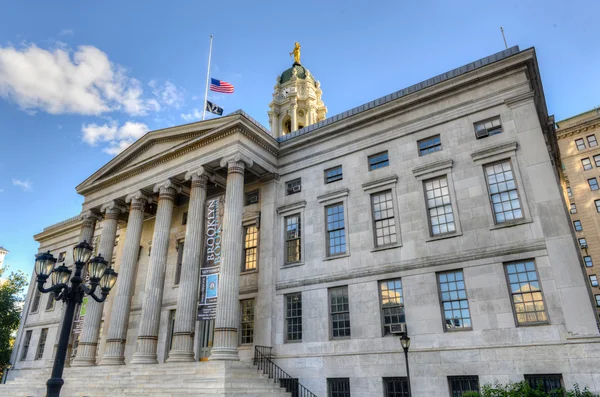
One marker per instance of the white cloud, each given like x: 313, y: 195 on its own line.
x: 66, y: 32
x: 193, y: 115
x: 168, y: 93
x: 61, y: 80
x: 118, y: 138
x: 1, y: 190
x: 25, y: 185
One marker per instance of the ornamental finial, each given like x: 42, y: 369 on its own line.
x: 296, y: 53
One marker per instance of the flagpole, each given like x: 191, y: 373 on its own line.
x: 207, y: 77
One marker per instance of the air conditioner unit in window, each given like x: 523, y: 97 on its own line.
x: 253, y: 199
x: 294, y: 189
x: 482, y: 133
x: 398, y: 329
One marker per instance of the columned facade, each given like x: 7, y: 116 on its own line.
x: 115, y: 344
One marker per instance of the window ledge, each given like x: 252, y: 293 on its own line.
x: 457, y: 329
x: 245, y: 346
x: 175, y: 286
x: 386, y: 247
x: 292, y: 341
x: 340, y: 338
x: 511, y: 224
x: 330, y: 258
x: 249, y: 272
x: 293, y: 264
x: 443, y: 237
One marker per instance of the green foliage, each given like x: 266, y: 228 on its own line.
x: 522, y: 389
x: 11, y: 295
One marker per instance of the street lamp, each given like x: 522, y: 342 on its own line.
x: 405, y: 342
x: 100, y: 275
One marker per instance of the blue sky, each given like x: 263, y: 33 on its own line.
x: 81, y: 80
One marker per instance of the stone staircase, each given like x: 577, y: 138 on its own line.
x: 206, y: 379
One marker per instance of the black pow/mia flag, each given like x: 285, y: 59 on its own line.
x: 211, y: 107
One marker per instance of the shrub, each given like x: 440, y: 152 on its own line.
x: 523, y: 389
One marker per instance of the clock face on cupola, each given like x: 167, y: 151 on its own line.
x: 296, y: 99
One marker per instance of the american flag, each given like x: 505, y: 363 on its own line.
x: 220, y: 86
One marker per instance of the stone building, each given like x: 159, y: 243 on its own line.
x: 580, y: 156
x: 436, y: 209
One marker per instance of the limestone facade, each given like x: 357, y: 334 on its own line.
x: 364, y: 175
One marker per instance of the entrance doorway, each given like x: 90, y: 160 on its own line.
x: 207, y: 330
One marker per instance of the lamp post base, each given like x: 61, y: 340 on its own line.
x: 53, y: 387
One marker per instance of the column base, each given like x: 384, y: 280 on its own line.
x: 113, y: 352
x: 113, y: 360
x: 141, y: 358
x: 180, y: 357
x: 224, y: 354
x: 83, y: 362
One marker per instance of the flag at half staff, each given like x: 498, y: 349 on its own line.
x: 221, y: 86
x: 211, y: 107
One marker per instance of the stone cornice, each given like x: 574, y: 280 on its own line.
x: 519, y: 100
x: 291, y: 207
x: 380, y: 183
x: 335, y: 195
x: 584, y: 126
x: 495, y: 150
x: 428, y: 170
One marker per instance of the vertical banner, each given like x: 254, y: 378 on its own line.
x: 209, y: 282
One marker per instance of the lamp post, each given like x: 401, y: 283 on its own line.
x: 100, y: 275
x: 405, y: 342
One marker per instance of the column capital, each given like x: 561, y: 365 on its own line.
x: 113, y: 209
x: 198, y: 174
x: 167, y: 187
x: 138, y: 197
x: 236, y: 159
x: 90, y: 215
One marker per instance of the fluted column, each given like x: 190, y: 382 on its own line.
x: 293, y: 110
x: 147, y: 339
x: 88, y: 340
x: 115, y: 342
x: 225, y: 344
x: 187, y: 301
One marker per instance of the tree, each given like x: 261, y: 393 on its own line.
x: 522, y: 389
x: 11, y: 298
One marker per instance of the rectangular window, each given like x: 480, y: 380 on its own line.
x: 336, y: 231
x: 395, y: 387
x: 588, y: 261
x: 593, y: 182
x: 486, y: 128
x: 50, y: 302
x: 577, y: 226
x: 292, y: 239
x: 586, y: 163
x: 461, y: 384
x: 580, y: 144
x: 247, y: 320
x: 429, y: 145
x: 526, y: 293
x: 41, y: 344
x: 339, y: 312
x: 293, y: 186
x: 179, y: 265
x: 592, y: 140
x: 547, y: 383
x: 569, y: 192
x: 582, y: 243
x: 597, y: 160
x: 250, y: 247
x: 378, y: 160
x: 26, y: 343
x: 184, y: 217
x: 597, y: 300
x: 503, y: 192
x: 35, y: 304
x: 252, y: 197
x: 392, y: 304
x: 594, y: 280
x: 455, y: 305
x: 383, y: 217
x: 574, y: 207
x: 172, y: 315
x: 597, y: 203
x: 333, y: 174
x: 62, y: 256
x: 338, y: 387
x: 293, y: 317
x: 439, y: 207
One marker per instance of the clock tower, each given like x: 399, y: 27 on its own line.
x: 296, y: 99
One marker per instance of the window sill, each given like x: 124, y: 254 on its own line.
x: 293, y: 264
x: 386, y: 247
x: 245, y: 346
x: 292, y: 341
x: 330, y: 258
x: 457, y: 329
x: 341, y: 338
x: 175, y: 286
x: 532, y: 324
x: 249, y: 272
x: 511, y: 224
x: 443, y: 236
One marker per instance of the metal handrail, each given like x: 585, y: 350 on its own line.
x: 262, y: 360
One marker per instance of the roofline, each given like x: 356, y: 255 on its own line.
x: 596, y: 109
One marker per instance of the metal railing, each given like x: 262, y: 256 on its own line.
x: 262, y: 360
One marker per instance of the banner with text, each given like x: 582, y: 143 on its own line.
x: 209, y: 281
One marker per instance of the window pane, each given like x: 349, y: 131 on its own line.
x: 486, y: 128
x: 392, y: 303
x: 247, y: 321
x: 526, y: 293
x: 336, y: 232
x: 592, y: 140
x: 293, y: 316
x: 455, y: 305
x: 294, y: 186
x: 26, y: 343
x: 41, y: 344
x: 441, y: 217
x: 383, y: 215
x: 588, y: 261
x: 340, y: 312
x: 379, y: 160
x: 586, y: 163
x: 338, y: 387
x: 429, y: 145
x: 252, y: 197
x: 333, y: 174
x: 594, y: 280
x: 250, y: 247
x: 35, y: 304
x: 292, y: 238
x: 580, y: 144
x: 546, y: 383
x: 593, y: 182
x: 395, y: 387
x: 503, y: 192
x: 461, y: 384
x: 577, y: 226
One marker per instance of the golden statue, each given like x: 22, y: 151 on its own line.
x: 296, y: 53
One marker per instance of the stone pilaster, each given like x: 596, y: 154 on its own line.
x: 294, y: 114
x: 117, y: 330
x: 88, y: 340
x: 187, y: 301
x: 225, y: 345
x: 147, y: 339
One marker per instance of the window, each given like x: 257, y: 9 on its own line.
x: 247, y: 312
x: 580, y: 144
x: 486, y: 128
x: 546, y: 383
x: 592, y: 140
x: 392, y: 304
x: 582, y: 243
x: 252, y: 197
x: 593, y: 182
x: 292, y: 239
x: 62, y: 256
x: 26, y: 343
x: 293, y: 186
x: 569, y: 192
x: 453, y: 294
x: 250, y: 247
x: 50, y: 302
x: 429, y: 145
x: 586, y: 163
x: 395, y: 387
x: 503, y: 192
x: 333, y: 174
x: 594, y: 280
x: 577, y: 226
x: 172, y: 315
x: 526, y: 293
x: 339, y: 312
x: 597, y: 300
x: 336, y: 232
x: 35, y: 304
x: 179, y: 264
x: 378, y: 160
x: 184, y: 217
x: 588, y: 261
x: 574, y: 207
x: 383, y: 217
x: 41, y: 344
x: 461, y: 384
x: 338, y: 387
x: 293, y: 317
x: 597, y: 202
x: 441, y: 218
